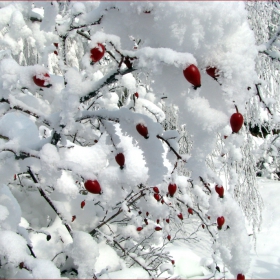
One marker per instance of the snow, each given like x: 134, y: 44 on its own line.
x: 94, y: 129
x: 83, y: 251
x: 266, y: 256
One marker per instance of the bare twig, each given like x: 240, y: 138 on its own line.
x: 49, y: 201
x: 171, y: 148
x: 107, y: 80
x: 115, y: 215
x: 261, y: 100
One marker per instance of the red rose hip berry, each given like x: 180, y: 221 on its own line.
x: 192, y: 75
x: 236, y: 122
x: 97, y: 53
x: 220, y: 222
x: 172, y: 189
x: 93, y: 186
x: 142, y: 130
x: 120, y: 159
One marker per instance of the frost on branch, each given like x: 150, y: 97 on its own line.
x: 78, y: 91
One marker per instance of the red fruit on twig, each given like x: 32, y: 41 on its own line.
x: 15, y: 177
x: 156, y: 190
x: 169, y: 237
x: 157, y: 221
x: 213, y: 72
x: 203, y: 226
x: 190, y: 211
x: 236, y: 122
x: 146, y: 221
x: 136, y: 94
x: 157, y: 197
x: 93, y: 186
x: 173, y: 262
x: 142, y: 130
x: 73, y: 218
x: 55, y: 44
x: 97, y: 53
x: 192, y: 75
x: 162, y: 201
x: 220, y: 222
x: 42, y: 80
x: 83, y: 203
x: 147, y: 214
x: 180, y: 216
x: 120, y: 159
x: 172, y: 189
x: 158, y: 228
x: 139, y: 228
x: 167, y: 220
x: 220, y: 191
x: 240, y: 277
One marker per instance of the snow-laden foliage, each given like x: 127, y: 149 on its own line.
x: 264, y: 108
x: 67, y: 118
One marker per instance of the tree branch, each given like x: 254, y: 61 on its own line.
x: 115, y: 215
x: 43, y: 194
x: 3, y: 100
x: 171, y: 148
x: 261, y: 100
x: 22, y: 155
x: 107, y: 80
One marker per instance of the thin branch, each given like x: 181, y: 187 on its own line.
x: 24, y: 111
x: 20, y: 154
x: 198, y: 214
x: 83, y: 34
x: 43, y: 194
x: 107, y: 80
x: 270, y: 55
x: 4, y: 137
x: 31, y: 251
x: 126, y: 253
x: 205, y: 184
x: 171, y: 148
x: 273, y: 39
x: 115, y: 215
x: 261, y: 100
x: 86, y: 25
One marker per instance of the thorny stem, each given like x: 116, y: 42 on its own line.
x: 43, y: 194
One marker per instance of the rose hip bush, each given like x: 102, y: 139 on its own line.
x: 92, y: 160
